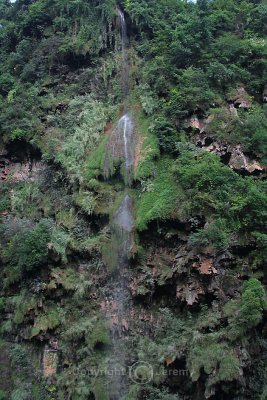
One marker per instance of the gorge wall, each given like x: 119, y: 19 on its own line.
x: 133, y: 200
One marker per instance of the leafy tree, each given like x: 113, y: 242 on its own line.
x: 253, y: 302
x: 28, y: 250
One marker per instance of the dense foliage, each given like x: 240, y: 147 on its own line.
x: 198, y: 77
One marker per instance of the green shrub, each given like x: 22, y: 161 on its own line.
x: 19, y: 358
x: 187, y: 96
x: 28, y: 249
x: 3, y: 395
x: 2, y: 304
x: 148, y: 101
x: 23, y: 305
x: 94, y: 165
x: 149, y: 152
x: 253, y: 132
x: 263, y: 395
x: 219, y: 74
x: 247, y: 312
x: 203, y: 176
x: 100, y: 390
x: 85, y: 200
x: 213, y: 189
x: 18, y: 134
x: 162, y: 126
x: 92, y: 121
x: 25, y: 198
x: 248, y: 128
x: 20, y: 394
x: 66, y: 277
x: 83, y: 289
x: 52, y: 318
x: 78, y: 330
x: 60, y: 240
x: 159, y: 394
x: 161, y: 201
x: 5, y: 202
x: 253, y: 302
x: 6, y: 83
x: 213, y: 356
x: 260, y: 254
x: 99, y: 334
x: 216, y: 234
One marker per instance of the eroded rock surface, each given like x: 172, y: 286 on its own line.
x: 240, y: 97
x: 19, y: 171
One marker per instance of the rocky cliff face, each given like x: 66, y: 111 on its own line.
x: 133, y: 200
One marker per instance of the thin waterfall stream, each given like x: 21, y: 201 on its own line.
x: 124, y: 45
x: 120, y: 151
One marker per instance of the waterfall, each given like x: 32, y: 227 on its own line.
x: 120, y: 149
x: 120, y: 146
x: 123, y: 218
x: 124, y: 37
x: 119, y: 303
x: 124, y: 45
x: 120, y: 154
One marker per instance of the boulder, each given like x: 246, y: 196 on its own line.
x: 240, y: 162
x: 240, y: 98
x: 197, y: 123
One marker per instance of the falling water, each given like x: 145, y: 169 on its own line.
x: 123, y: 219
x: 124, y: 45
x: 120, y: 146
x: 120, y: 149
x: 118, y: 304
x: 120, y: 152
x: 124, y: 37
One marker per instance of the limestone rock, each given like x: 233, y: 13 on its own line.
x: 19, y: 171
x: 239, y: 161
x: 237, y: 158
x: 195, y: 122
x: 198, y: 123
x: 218, y: 148
x: 205, y: 267
x: 233, y: 110
x: 240, y: 98
x: 189, y: 293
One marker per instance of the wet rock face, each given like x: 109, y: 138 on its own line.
x: 119, y: 154
x: 120, y: 149
x: 124, y: 220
